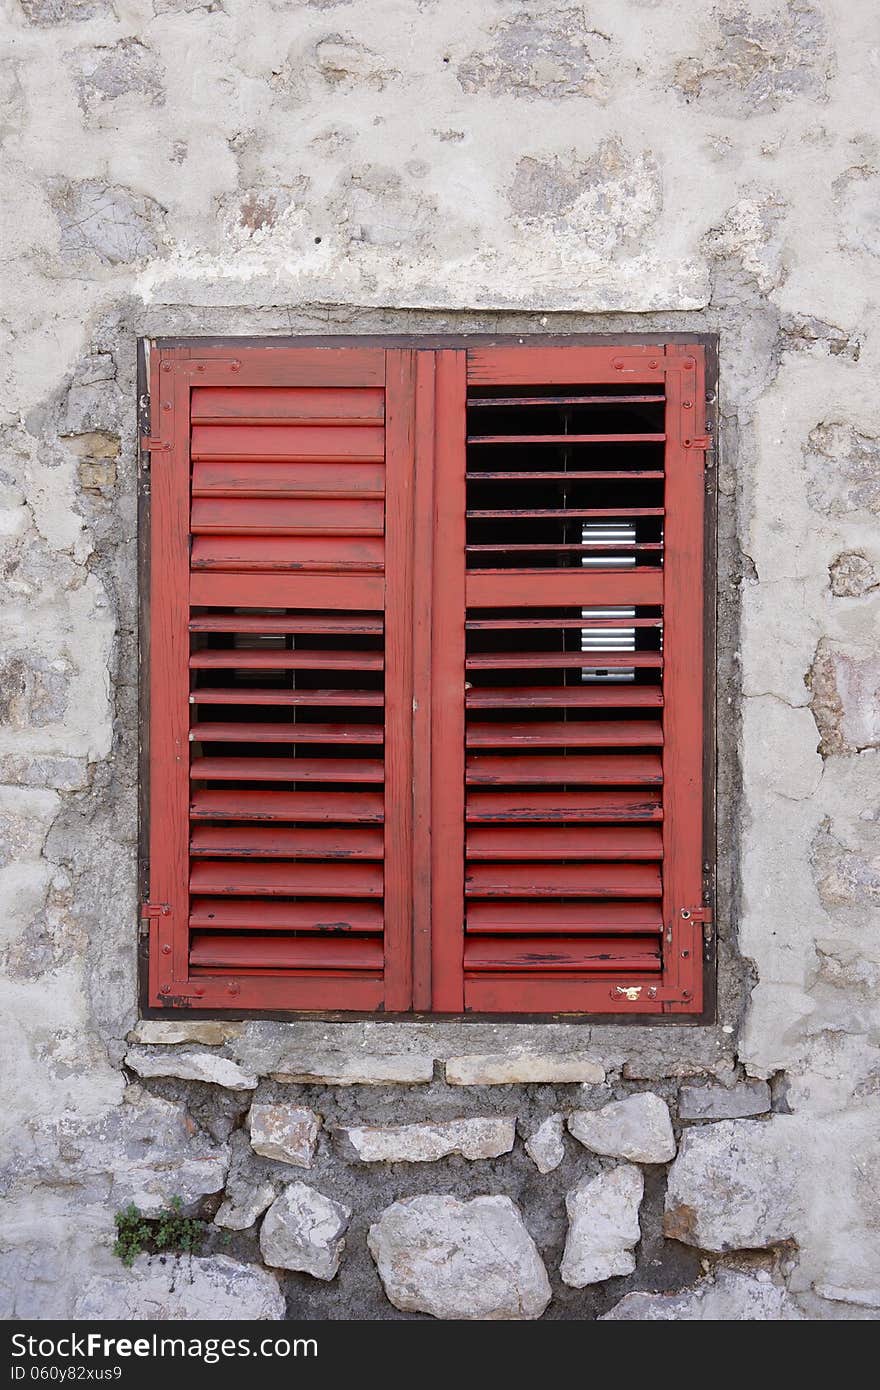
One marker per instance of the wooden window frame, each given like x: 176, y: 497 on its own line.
x: 697, y: 939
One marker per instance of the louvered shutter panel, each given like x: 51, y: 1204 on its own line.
x: 426, y: 679
x: 280, y: 780
x: 573, y: 759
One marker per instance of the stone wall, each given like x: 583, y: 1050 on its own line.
x: 207, y: 167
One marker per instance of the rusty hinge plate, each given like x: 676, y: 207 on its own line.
x: 651, y: 994
x: 155, y: 909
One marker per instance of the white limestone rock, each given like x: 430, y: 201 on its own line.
x: 733, y: 1186
x: 471, y: 1260
x: 192, y: 1066
x: 637, y: 1128
x: 546, y: 1147
x: 182, y: 1288
x: 106, y: 224
x: 329, y: 1070
x: 147, y: 1151
x: 861, y: 1298
x: 239, y: 1211
x: 288, y: 1133
x: 424, y: 1143
x: 731, y: 1296
x: 244, y: 1202
x: 736, y: 1102
x: 603, y: 1226
x: 304, y: 1230
x: 508, y: 1068
x: 249, y: 1190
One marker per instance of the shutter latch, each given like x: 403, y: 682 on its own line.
x: 153, y: 446
x: 155, y: 909
x: 698, y: 914
x: 700, y: 441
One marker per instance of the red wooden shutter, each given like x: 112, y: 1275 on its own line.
x: 569, y: 591
x: 281, y: 678
x: 426, y: 679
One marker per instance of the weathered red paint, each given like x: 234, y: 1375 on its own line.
x: 564, y: 842
x: 447, y: 685
x: 525, y: 759
x: 399, y: 495
x: 479, y: 859
x: 569, y: 918
x: 551, y: 953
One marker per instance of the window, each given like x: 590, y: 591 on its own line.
x: 426, y: 679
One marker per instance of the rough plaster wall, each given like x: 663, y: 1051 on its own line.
x: 188, y: 167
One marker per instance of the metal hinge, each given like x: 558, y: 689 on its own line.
x: 155, y: 909
x: 698, y: 914
x: 702, y: 914
x: 649, y: 994
x: 153, y: 446
x: 699, y: 441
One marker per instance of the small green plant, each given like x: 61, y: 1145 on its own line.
x: 137, y: 1234
x: 132, y: 1234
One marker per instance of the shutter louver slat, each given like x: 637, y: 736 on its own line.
x: 283, y: 769
x: 562, y: 953
x: 324, y: 405
x: 307, y: 807
x: 249, y: 516
x: 284, y: 733
x: 321, y: 699
x: 331, y: 554
x: 550, y: 880
x: 579, y: 770
x: 565, y: 918
x: 242, y: 658
x: 562, y: 806
x: 293, y: 442
x: 284, y: 953
x: 552, y: 697
x: 265, y: 914
x: 286, y: 880
x: 263, y: 842
x: 569, y: 437
x: 255, y: 478
x: 582, y: 733
x: 564, y: 842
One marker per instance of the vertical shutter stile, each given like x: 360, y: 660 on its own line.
x: 683, y: 677
x: 169, y: 680
x: 399, y: 496
x: 448, y: 686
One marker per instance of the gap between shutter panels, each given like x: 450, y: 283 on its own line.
x: 287, y: 805
x: 564, y: 680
